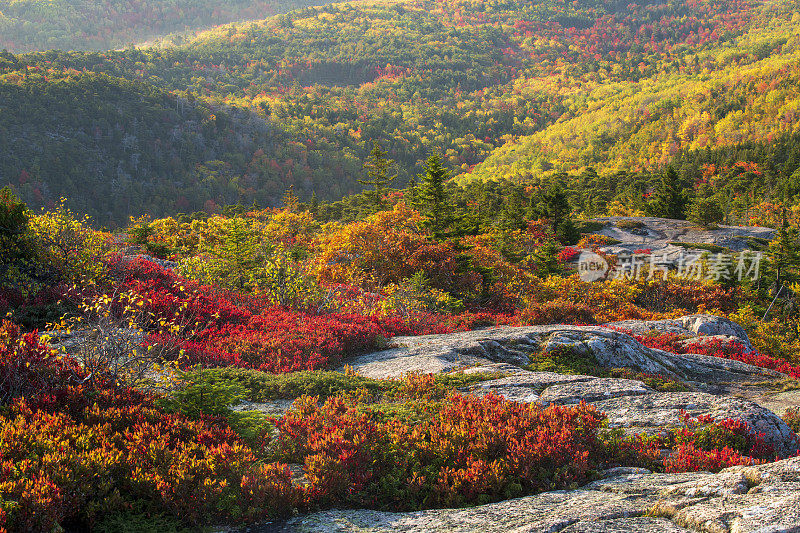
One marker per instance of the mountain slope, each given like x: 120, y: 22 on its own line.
x: 522, y: 90
x: 116, y: 147
x: 745, y: 90
x: 100, y: 25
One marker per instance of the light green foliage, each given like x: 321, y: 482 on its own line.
x: 285, y: 283
x: 259, y: 386
x: 244, y: 259
x: 196, y: 396
x: 67, y: 246
x: 415, y: 294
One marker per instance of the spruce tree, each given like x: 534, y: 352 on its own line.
x: 238, y: 254
x: 784, y: 252
x: 313, y: 204
x: 669, y: 199
x: 290, y: 200
x: 377, y: 167
x: 554, y: 206
x: 433, y: 200
x: 15, y: 246
x: 411, y: 192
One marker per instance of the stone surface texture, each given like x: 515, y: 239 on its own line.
x: 657, y: 234
x: 764, y: 498
x: 629, y: 404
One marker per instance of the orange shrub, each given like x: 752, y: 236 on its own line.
x: 387, y: 247
x: 71, y: 454
x: 556, y: 312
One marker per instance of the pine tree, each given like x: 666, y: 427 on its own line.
x: 545, y: 260
x: 706, y: 211
x: 554, y: 206
x: 313, y: 204
x: 784, y: 253
x: 411, y: 192
x: 14, y: 233
x: 377, y: 167
x: 669, y: 199
x: 433, y: 199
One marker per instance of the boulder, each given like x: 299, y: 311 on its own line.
x: 506, y: 349
x: 629, y: 404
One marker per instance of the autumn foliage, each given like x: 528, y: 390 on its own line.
x: 72, y: 454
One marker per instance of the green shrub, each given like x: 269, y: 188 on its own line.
x: 199, y: 396
x: 565, y: 359
x: 654, y: 381
x: 136, y: 521
x: 257, y: 386
x: 630, y: 224
x: 589, y: 226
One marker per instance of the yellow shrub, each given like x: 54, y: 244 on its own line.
x: 68, y: 245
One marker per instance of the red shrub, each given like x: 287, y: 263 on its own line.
x: 689, y: 458
x: 27, y: 368
x: 471, y: 450
x: 568, y: 254
x: 72, y: 453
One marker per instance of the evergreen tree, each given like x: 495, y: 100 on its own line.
x: 411, y: 192
x: 15, y: 245
x: 545, y: 260
x: 669, y: 199
x: 433, y: 199
x: 313, y: 204
x: 377, y: 167
x: 784, y: 252
x: 554, y: 206
x: 706, y: 212
x: 512, y: 215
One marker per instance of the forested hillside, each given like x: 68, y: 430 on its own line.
x: 86, y: 25
x: 532, y: 92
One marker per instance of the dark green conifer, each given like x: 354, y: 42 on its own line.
x: 433, y: 199
x: 377, y: 166
x: 669, y: 198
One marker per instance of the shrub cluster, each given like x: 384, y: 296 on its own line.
x: 72, y: 454
x: 468, y: 450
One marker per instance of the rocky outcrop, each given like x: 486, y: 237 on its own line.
x: 658, y: 234
x: 508, y: 348
x: 73, y: 341
x: 763, y: 499
x: 629, y: 404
